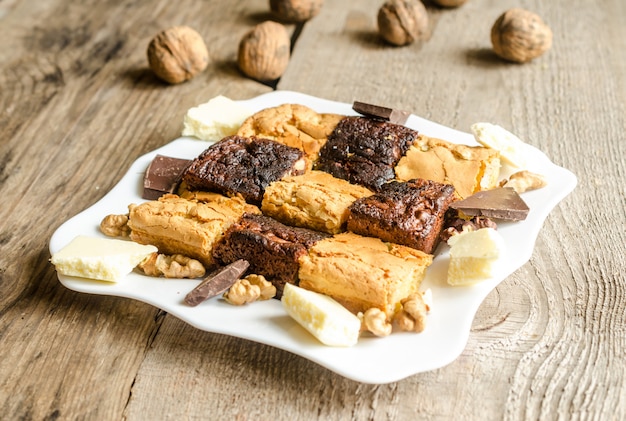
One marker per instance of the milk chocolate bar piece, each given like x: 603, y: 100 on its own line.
x: 377, y: 111
x: 501, y: 203
x: 162, y: 176
x: 217, y: 282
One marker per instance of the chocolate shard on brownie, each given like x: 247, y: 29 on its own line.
x: 365, y: 151
x: 409, y: 213
x: 243, y: 166
x: 272, y: 248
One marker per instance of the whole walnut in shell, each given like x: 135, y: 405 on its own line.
x: 177, y: 54
x: 402, y: 22
x: 264, y: 51
x: 449, y: 3
x: 295, y: 10
x: 520, y: 36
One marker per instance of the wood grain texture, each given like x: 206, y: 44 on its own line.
x: 78, y: 105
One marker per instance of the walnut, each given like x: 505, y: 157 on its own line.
x: 174, y: 266
x: 242, y: 292
x: 250, y: 289
x: 115, y: 226
x: 520, y: 36
x: 412, y: 316
x: 375, y: 321
x: 295, y: 10
x: 177, y: 54
x: 402, y: 22
x: 268, y: 290
x: 449, y: 3
x: 264, y: 51
x: 522, y: 181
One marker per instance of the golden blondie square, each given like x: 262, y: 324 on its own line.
x: 314, y: 200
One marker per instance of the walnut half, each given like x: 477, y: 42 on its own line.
x: 174, y: 266
x: 115, y: 226
x: 250, y: 289
x: 522, y: 181
x: 412, y: 316
x: 375, y: 321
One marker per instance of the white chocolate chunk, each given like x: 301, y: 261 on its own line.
x: 512, y: 149
x: 214, y: 120
x: 326, y: 319
x: 105, y: 259
x: 473, y: 255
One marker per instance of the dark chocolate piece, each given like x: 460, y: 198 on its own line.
x: 410, y: 213
x: 162, y: 176
x: 243, y: 166
x: 217, y: 282
x: 365, y: 151
x: 501, y: 203
x: 390, y: 114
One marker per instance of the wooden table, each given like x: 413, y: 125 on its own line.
x: 79, y: 105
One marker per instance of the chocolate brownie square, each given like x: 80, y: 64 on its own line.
x: 410, y: 213
x: 365, y: 151
x: 273, y: 249
x: 243, y: 166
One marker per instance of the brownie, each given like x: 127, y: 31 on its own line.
x: 410, y: 213
x: 243, y: 166
x: 365, y: 151
x: 272, y: 248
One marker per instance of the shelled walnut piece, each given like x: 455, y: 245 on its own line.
x: 374, y: 320
x: 412, y: 316
x: 174, y: 266
x: 250, y: 289
x: 115, y: 226
x: 523, y: 181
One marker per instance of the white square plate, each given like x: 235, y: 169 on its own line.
x: 372, y: 360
